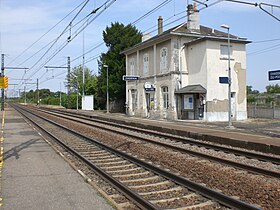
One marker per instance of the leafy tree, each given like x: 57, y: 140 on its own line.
x: 76, y: 79
x: 117, y: 38
x: 251, y: 91
x: 272, y: 89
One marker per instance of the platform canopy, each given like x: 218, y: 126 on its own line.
x: 191, y: 89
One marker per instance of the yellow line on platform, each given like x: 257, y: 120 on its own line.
x: 3, y: 119
x: 2, y: 153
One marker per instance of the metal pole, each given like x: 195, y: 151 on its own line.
x: 83, y: 86
x: 229, y: 85
x: 38, y: 95
x: 60, y: 94
x: 19, y: 96
x: 68, y: 82
x: 77, y: 94
x: 25, y: 94
x: 107, y: 93
x: 2, y: 90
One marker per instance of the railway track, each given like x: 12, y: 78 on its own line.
x: 144, y: 184
x: 177, y: 143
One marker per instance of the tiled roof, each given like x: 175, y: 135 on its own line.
x: 204, y: 32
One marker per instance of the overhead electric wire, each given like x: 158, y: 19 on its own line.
x: 142, y: 17
x: 184, y: 16
x: 80, y: 29
x: 262, y: 41
x: 106, y: 5
x: 151, y: 11
x: 259, y: 5
x: 69, y: 25
x: 24, y: 51
x: 54, y: 41
x: 133, y: 23
x: 267, y: 49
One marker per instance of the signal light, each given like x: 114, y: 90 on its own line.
x: 6, y: 82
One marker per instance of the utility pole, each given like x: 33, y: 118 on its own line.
x: 2, y: 75
x: 68, y: 82
x: 30, y: 83
x: 68, y: 67
x: 60, y: 94
x: 24, y: 94
x: 38, y: 95
x: 83, y: 86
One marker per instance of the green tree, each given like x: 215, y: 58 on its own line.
x: 117, y: 38
x: 76, y: 80
x: 251, y: 91
x: 272, y: 89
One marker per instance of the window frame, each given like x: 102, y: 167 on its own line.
x: 165, y: 97
x: 163, y: 59
x: 224, y: 52
x: 132, y: 66
x: 146, y: 61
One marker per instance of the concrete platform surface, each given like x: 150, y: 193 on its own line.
x: 35, y: 177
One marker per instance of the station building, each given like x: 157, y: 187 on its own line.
x: 178, y: 73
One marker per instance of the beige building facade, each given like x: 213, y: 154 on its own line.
x: 178, y: 74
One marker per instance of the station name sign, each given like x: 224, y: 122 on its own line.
x: 129, y: 78
x: 274, y: 75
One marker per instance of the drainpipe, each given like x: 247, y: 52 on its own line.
x: 180, y: 65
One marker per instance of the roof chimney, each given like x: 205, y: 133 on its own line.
x: 160, y: 21
x: 193, y: 18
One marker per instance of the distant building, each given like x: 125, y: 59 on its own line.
x: 179, y: 72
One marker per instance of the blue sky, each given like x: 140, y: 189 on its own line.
x: 23, y: 22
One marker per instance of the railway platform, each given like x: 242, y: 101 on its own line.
x: 34, y: 176
x: 257, y: 134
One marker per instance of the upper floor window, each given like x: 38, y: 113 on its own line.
x: 146, y: 64
x: 132, y: 66
x: 165, y: 97
x: 224, y: 52
x: 163, y: 60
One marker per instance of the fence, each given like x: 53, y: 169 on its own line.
x: 271, y: 112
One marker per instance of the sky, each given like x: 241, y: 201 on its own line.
x: 27, y: 31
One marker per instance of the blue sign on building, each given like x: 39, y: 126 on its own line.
x: 274, y: 75
x: 223, y: 80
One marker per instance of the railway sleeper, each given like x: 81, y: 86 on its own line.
x: 132, y: 175
x: 148, y: 179
x: 108, y: 168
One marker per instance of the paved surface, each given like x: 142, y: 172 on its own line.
x: 35, y: 177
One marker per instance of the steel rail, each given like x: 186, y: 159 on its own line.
x: 242, y: 166
x: 206, y: 192
x: 131, y: 195
x: 247, y: 154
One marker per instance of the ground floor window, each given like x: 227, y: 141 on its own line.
x: 134, y: 99
x: 165, y: 97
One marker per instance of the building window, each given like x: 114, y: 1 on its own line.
x: 224, y: 52
x: 163, y: 60
x: 165, y: 97
x: 133, y: 99
x: 132, y: 66
x: 146, y: 64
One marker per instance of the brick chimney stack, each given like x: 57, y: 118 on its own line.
x: 160, y: 23
x: 193, y: 18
